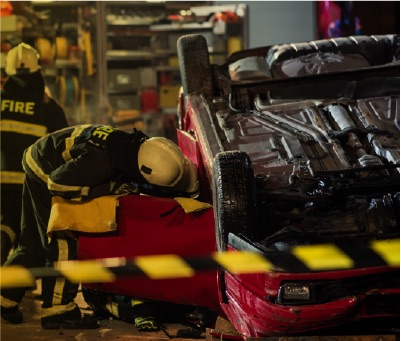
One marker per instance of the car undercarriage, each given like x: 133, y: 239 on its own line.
x: 300, y: 146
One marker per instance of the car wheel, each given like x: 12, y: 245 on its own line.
x: 234, y: 196
x: 193, y: 59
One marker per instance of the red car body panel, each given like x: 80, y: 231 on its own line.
x: 256, y: 315
x: 143, y: 231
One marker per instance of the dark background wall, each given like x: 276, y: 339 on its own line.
x: 275, y: 22
x: 378, y: 17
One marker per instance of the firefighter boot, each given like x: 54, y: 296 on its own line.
x: 12, y: 314
x: 68, y: 319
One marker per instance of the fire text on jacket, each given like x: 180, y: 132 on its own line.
x: 103, y: 132
x: 17, y: 106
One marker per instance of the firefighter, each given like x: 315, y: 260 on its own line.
x: 27, y: 113
x: 81, y: 163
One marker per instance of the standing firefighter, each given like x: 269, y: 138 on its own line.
x: 27, y: 113
x: 82, y: 163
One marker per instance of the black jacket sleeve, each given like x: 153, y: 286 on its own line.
x: 85, y: 177
x: 55, y: 116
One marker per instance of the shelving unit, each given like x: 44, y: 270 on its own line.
x: 138, y: 66
x: 116, y: 61
x: 127, y: 79
x: 74, y: 73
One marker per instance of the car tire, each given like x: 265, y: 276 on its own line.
x: 194, y: 63
x: 234, y: 196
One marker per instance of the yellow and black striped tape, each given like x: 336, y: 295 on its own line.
x: 303, y: 258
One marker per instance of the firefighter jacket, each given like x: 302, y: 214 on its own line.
x: 27, y: 114
x: 86, y: 161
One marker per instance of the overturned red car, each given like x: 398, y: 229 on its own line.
x: 295, y: 144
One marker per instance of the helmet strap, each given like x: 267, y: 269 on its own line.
x: 146, y: 170
x: 22, y: 70
x: 138, y: 138
x: 163, y: 191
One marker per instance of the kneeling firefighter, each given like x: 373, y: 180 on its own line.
x: 82, y: 163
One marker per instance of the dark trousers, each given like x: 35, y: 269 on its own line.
x: 34, y: 248
x: 10, y: 218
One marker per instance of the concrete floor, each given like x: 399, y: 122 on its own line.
x: 115, y: 330
x: 31, y: 330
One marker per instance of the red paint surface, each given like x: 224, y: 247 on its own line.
x: 142, y: 231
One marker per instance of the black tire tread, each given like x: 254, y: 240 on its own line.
x: 194, y: 63
x: 234, y: 196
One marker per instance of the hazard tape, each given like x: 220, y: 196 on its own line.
x: 303, y: 258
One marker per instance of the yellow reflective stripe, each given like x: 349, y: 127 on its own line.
x: 52, y: 186
x: 23, y: 128
x: 6, y: 303
x: 8, y: 177
x: 325, y: 256
x: 45, y: 177
x: 60, y: 281
x: 243, y: 262
x: 135, y: 302
x: 15, y: 275
x: 58, y: 309
x: 85, y: 271
x: 34, y: 166
x: 164, y: 266
x: 192, y: 205
x: 389, y: 250
x: 112, y: 307
x: 69, y: 141
x: 8, y: 230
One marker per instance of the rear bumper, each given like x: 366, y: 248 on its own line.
x: 257, y: 316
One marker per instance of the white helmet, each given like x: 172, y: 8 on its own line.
x: 189, y: 182
x: 22, y: 59
x: 162, y: 163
